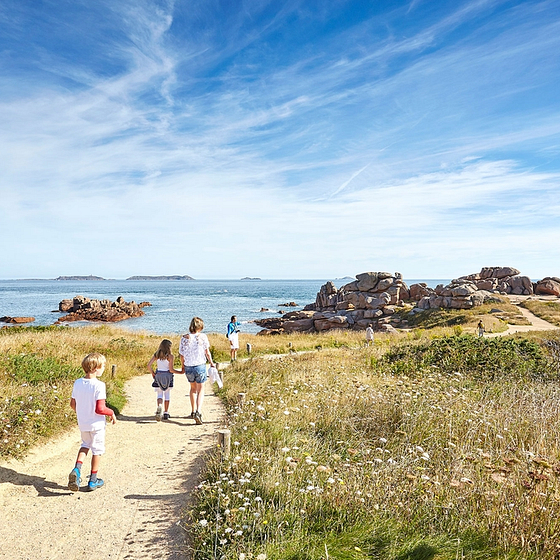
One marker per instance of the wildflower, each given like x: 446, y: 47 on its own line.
x: 287, y: 412
x: 383, y: 440
x: 261, y: 557
x: 419, y: 449
x: 285, y: 449
x: 242, y: 556
x: 330, y: 480
x: 203, y: 522
x: 37, y: 411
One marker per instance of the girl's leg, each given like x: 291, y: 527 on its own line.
x: 166, y: 396
x: 199, y: 396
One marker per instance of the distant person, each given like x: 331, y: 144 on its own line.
x: 163, y: 377
x: 480, y: 328
x: 194, y: 351
x: 233, y: 337
x: 369, y: 335
x: 88, y: 401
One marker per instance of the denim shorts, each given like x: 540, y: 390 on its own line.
x: 196, y: 374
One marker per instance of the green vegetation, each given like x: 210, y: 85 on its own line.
x: 38, y: 368
x: 547, y: 310
x: 495, y: 317
x: 439, y: 449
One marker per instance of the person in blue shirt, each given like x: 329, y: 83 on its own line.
x: 233, y: 337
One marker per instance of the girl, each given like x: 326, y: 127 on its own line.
x: 194, y: 351
x: 233, y: 337
x: 163, y: 376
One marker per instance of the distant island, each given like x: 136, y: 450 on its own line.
x: 90, y: 277
x: 176, y: 277
x: 249, y: 278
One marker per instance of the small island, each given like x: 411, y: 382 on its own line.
x: 175, y: 277
x: 249, y: 278
x: 90, y: 277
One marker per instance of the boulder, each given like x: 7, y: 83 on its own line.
x: 549, y: 286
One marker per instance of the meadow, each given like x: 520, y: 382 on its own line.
x: 441, y: 447
x: 431, y: 444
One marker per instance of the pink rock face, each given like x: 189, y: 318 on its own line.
x: 549, y: 286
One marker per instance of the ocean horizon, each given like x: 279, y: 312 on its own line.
x: 174, y: 302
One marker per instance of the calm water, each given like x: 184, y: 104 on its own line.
x: 174, y: 303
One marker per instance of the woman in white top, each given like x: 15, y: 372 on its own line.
x: 194, y: 351
x: 163, y: 376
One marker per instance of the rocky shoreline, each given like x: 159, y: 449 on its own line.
x: 81, y: 308
x: 374, y: 297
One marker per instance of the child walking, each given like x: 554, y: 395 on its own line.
x: 88, y: 401
x: 163, y: 377
x: 194, y: 351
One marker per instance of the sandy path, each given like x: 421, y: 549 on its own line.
x: 149, y: 470
x: 537, y: 324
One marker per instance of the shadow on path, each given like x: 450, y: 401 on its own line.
x: 44, y: 487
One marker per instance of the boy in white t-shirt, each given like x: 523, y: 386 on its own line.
x: 88, y: 401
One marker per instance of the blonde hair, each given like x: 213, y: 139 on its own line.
x: 164, y: 350
x: 92, y: 362
x: 197, y: 324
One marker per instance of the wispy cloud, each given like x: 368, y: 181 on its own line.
x: 435, y: 141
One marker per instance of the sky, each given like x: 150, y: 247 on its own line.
x: 279, y: 139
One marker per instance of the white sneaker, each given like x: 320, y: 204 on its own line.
x: 158, y: 413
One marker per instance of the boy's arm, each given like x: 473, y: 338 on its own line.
x: 101, y: 408
x: 73, y: 404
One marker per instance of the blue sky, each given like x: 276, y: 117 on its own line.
x: 285, y: 139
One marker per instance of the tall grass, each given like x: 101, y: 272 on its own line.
x: 547, y: 310
x: 338, y: 454
x: 38, y: 367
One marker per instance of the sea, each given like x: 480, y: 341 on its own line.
x: 174, y: 302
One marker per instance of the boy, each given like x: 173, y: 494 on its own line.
x: 88, y: 401
x: 369, y: 335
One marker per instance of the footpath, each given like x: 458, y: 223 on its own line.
x: 149, y: 468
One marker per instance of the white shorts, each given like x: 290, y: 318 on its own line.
x: 234, y: 340
x: 95, y: 441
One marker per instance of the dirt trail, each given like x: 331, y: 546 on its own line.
x: 537, y: 324
x: 149, y: 470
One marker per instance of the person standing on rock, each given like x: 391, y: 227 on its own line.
x: 88, y: 401
x: 194, y: 350
x: 369, y: 335
x: 233, y: 337
x: 163, y: 377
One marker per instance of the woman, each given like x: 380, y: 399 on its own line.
x: 233, y: 337
x: 194, y: 351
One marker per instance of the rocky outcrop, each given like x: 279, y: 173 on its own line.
x: 81, y: 308
x: 472, y: 290
x: 17, y: 320
x: 370, y: 299
x: 549, y: 286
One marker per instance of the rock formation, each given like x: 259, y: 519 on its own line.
x: 371, y: 299
x: 81, y: 308
x: 17, y: 320
x: 549, y: 286
x: 472, y: 290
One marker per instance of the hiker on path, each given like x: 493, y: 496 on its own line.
x: 194, y: 351
x: 233, y: 337
x: 88, y: 401
x: 369, y: 335
x: 480, y: 328
x: 163, y: 377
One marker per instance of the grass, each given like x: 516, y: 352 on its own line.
x: 547, y: 310
x: 495, y: 316
x: 38, y: 368
x: 342, y: 454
